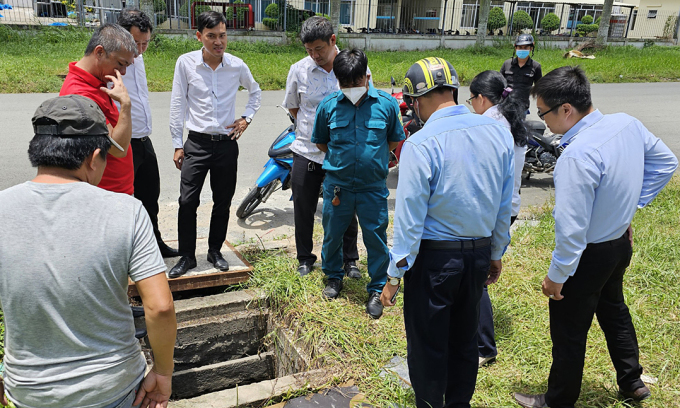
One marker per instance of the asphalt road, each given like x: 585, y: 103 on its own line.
x: 655, y: 104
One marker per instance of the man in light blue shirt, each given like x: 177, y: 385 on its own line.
x: 451, y: 223
x: 611, y: 166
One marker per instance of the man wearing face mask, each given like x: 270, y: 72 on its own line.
x: 522, y: 72
x: 356, y: 127
x: 451, y: 228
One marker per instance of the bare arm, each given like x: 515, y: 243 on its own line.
x: 322, y: 147
x: 393, y: 145
x: 161, y: 325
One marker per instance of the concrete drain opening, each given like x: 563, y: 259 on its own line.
x: 229, y: 352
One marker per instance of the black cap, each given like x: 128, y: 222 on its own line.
x: 70, y: 116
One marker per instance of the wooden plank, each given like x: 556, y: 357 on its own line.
x: 206, y: 280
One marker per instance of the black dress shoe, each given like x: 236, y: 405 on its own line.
x: 531, y: 401
x: 351, y: 270
x: 333, y: 288
x: 216, y: 258
x: 166, y: 251
x: 185, y: 263
x: 374, y: 307
x: 636, y: 395
x: 305, y: 269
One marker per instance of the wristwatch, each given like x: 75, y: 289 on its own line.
x: 247, y: 119
x: 394, y: 281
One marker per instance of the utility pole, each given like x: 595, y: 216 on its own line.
x: 485, y: 6
x: 335, y: 17
x: 603, y: 31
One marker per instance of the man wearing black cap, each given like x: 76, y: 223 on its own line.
x: 70, y: 335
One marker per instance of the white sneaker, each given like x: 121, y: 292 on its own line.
x: 486, y: 360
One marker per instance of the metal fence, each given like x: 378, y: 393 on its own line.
x: 429, y: 17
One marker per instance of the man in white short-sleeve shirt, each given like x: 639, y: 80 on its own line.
x: 68, y: 249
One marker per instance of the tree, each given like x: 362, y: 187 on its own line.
x: 587, y: 19
x: 550, y: 22
x: 496, y: 19
x: 603, y: 31
x: 521, y: 20
x: 483, y: 21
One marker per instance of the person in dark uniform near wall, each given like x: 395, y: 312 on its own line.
x: 451, y: 228
x: 204, y: 97
x: 521, y: 71
x: 611, y: 166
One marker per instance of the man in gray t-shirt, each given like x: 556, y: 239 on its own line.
x: 68, y: 249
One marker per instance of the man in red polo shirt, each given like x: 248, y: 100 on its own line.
x: 110, y: 51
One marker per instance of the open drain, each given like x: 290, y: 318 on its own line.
x: 230, y: 353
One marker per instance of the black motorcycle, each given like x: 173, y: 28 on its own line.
x: 542, y: 149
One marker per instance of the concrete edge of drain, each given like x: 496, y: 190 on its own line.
x: 257, y: 393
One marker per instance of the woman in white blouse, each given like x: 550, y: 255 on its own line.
x: 490, y: 96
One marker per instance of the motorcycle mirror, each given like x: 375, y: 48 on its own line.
x: 393, y: 82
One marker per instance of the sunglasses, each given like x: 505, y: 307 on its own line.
x: 540, y: 115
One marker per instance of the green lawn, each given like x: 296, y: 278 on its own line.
x: 34, y: 63
x: 356, y: 347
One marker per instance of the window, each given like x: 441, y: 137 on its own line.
x: 633, y: 19
x: 318, y: 6
x: 651, y: 14
x: 470, y: 12
x: 536, y: 11
x: 347, y: 12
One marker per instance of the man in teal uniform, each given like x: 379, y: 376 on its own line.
x: 357, y: 127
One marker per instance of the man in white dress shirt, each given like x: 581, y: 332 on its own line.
x: 309, y: 81
x: 203, y: 100
x: 147, y: 178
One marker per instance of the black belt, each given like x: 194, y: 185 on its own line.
x: 466, y: 244
x: 141, y: 139
x: 213, y: 137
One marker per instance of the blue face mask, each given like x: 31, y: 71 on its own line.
x: 521, y: 54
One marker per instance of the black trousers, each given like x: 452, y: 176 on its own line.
x: 306, y: 179
x: 486, y: 332
x: 595, y: 288
x: 200, y: 156
x: 147, y: 179
x: 441, y: 311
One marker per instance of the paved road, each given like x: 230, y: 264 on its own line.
x: 654, y: 104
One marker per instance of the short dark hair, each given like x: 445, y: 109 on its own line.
x: 564, y: 85
x: 316, y: 28
x: 67, y: 153
x: 493, y: 85
x: 112, y: 38
x: 134, y: 17
x: 210, y: 19
x: 349, y: 66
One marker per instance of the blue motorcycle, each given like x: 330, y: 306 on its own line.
x: 276, y: 173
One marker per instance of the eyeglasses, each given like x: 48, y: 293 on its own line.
x: 540, y: 115
x: 469, y: 101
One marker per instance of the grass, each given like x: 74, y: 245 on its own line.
x: 32, y: 61
x: 356, y: 347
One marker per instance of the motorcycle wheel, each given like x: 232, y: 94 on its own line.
x: 254, y: 198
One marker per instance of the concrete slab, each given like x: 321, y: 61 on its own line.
x: 215, y: 377
x: 256, y: 393
x: 220, y: 304
x: 397, y: 368
x: 338, y: 397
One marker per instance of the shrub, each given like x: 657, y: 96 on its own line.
x: 272, y: 19
x: 521, y: 20
x: 587, y: 19
x: 240, y: 13
x: 585, y: 29
x: 496, y: 19
x: 550, y: 22
x: 598, y: 20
